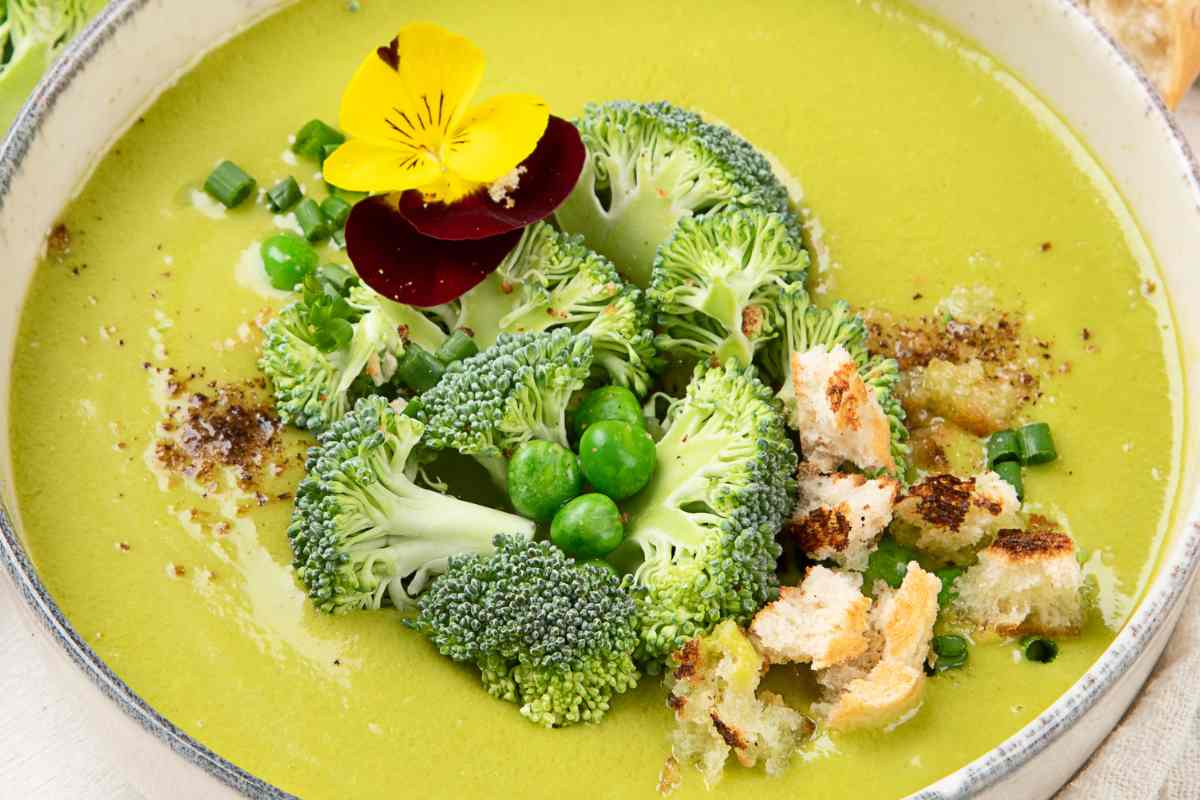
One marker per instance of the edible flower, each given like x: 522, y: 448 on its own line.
x: 454, y: 184
x: 406, y: 111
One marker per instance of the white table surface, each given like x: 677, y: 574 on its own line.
x: 46, y: 750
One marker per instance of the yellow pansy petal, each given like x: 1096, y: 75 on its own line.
x: 449, y: 188
x: 440, y: 70
x: 362, y: 166
x: 412, y: 90
x: 495, y: 136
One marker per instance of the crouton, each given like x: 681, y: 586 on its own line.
x: 841, y: 516
x: 822, y: 621
x: 1162, y: 35
x: 837, y: 414
x: 713, y: 692
x: 951, y: 517
x: 964, y: 394
x: 888, y: 680
x: 1026, y: 582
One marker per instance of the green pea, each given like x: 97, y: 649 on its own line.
x: 541, y: 477
x: 587, y: 527
x: 287, y: 258
x: 617, y: 458
x: 608, y: 402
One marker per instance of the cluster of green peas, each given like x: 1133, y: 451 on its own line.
x: 616, y: 459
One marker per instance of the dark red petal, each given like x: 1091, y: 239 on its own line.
x: 550, y: 174
x: 396, y: 261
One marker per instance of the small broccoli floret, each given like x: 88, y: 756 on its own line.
x: 807, y: 327
x: 363, y: 531
x: 650, y: 165
x: 553, y: 636
x: 32, y: 34
x: 717, y: 281
x: 316, y: 349
x: 552, y: 280
x: 706, y: 523
x: 623, y: 341
x: 516, y: 390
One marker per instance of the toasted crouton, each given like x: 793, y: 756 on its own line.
x: 841, y: 516
x: 887, y: 681
x: 822, y: 621
x: 1026, y: 582
x: 718, y: 709
x: 1163, y: 35
x: 950, y: 517
x: 837, y: 414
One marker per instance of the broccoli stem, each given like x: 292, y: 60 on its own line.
x: 482, y: 309
x: 637, y: 221
x: 497, y: 469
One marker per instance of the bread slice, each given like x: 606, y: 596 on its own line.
x: 840, y: 516
x: 951, y: 517
x: 888, y: 680
x: 837, y: 414
x: 823, y: 621
x: 1162, y: 35
x: 1026, y: 582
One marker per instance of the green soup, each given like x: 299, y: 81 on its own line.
x: 928, y: 168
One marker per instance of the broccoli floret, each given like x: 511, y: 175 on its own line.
x: 650, y: 165
x: 552, y: 280
x: 32, y: 34
x: 554, y: 636
x: 706, y: 523
x: 717, y: 280
x: 518, y: 389
x: 807, y: 326
x: 317, y: 348
x: 363, y: 531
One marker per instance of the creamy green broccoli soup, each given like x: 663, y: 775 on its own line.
x: 934, y: 185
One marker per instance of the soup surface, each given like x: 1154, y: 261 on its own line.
x: 928, y: 168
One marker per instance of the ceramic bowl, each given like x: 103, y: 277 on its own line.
x: 135, y: 49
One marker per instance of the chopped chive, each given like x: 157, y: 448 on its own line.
x: 312, y: 220
x: 951, y: 651
x: 336, y: 210
x: 418, y: 370
x: 1010, y: 471
x: 1037, y: 445
x: 339, y: 238
x: 457, y: 347
x: 283, y: 195
x: 229, y: 184
x: 337, y: 278
x: 1003, y: 446
x: 947, y: 576
x: 327, y: 151
x: 1039, y: 649
x: 889, y: 563
x: 313, y: 137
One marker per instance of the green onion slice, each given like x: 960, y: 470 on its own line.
x: 229, y: 184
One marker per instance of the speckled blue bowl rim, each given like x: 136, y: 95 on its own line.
x: 1165, y: 593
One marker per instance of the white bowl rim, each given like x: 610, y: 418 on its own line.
x: 1161, y: 599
